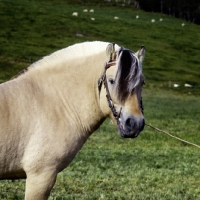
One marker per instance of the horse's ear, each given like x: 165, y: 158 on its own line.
x: 110, y: 51
x: 141, y: 53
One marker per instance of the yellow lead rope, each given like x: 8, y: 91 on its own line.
x: 173, y: 136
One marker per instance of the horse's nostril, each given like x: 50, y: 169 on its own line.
x: 130, y: 123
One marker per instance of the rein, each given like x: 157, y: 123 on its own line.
x: 103, y: 80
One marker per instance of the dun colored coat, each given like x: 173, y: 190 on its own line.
x: 48, y: 110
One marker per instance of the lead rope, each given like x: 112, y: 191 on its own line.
x: 177, y: 138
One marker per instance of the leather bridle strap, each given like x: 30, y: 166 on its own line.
x: 103, y: 80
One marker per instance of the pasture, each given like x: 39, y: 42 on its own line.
x: 152, y: 166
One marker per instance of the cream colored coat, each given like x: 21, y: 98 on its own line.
x: 47, y: 114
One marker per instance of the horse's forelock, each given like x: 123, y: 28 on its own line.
x: 128, y: 74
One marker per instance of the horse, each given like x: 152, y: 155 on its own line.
x: 48, y: 110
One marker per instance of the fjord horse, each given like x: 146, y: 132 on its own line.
x: 48, y: 110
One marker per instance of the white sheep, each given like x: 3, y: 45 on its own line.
x: 75, y: 14
x: 116, y: 17
x: 187, y: 85
x: 153, y: 20
x: 176, y: 85
x: 79, y: 35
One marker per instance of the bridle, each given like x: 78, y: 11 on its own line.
x: 103, y: 80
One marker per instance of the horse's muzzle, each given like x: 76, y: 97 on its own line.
x: 131, y: 127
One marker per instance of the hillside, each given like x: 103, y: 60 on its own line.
x: 152, y: 166
x: 30, y: 30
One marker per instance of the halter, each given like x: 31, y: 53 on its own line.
x: 102, y: 79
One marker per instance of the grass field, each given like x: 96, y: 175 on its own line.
x: 151, y: 167
x: 32, y: 29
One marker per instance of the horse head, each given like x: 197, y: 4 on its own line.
x: 123, y: 80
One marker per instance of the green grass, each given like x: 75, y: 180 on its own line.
x: 33, y: 29
x: 151, y: 167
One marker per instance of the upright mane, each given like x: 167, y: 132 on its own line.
x: 128, y: 74
x: 76, y: 51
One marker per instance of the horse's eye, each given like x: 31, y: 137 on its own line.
x: 111, y: 81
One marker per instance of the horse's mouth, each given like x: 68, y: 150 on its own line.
x: 126, y: 134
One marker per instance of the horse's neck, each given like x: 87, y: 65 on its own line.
x: 72, y: 86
